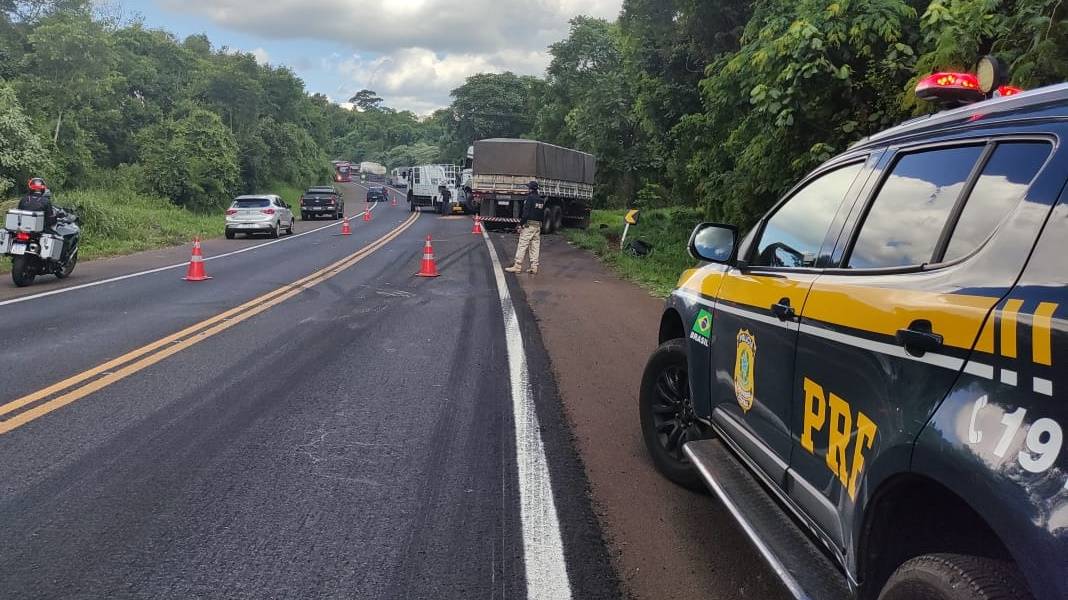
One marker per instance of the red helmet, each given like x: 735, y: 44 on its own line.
x: 37, y: 185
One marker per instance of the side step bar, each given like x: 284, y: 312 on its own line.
x: 803, y: 568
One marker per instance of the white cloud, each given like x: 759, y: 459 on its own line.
x: 412, y: 52
x: 261, y: 55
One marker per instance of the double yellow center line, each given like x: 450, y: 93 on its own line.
x: 81, y: 385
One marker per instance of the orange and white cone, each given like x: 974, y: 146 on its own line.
x: 367, y: 213
x: 478, y: 226
x: 346, y: 229
x: 196, y: 271
x: 393, y: 199
x: 430, y: 266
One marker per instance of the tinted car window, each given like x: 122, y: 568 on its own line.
x: 794, y: 234
x: 912, y: 207
x: 254, y: 203
x: 1000, y: 188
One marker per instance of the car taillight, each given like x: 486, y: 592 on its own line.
x: 231, y: 211
x: 267, y: 211
x: 22, y: 236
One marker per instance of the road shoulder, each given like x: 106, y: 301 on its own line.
x: 665, y: 541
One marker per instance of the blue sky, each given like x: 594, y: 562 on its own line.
x: 412, y: 52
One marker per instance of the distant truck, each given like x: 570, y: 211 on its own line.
x: 372, y: 171
x: 398, y: 178
x: 423, y: 188
x: 342, y: 171
x: 502, y: 168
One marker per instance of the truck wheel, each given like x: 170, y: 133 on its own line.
x: 667, y: 414
x: 955, y: 577
x: 546, y: 222
x: 557, y: 218
x: 22, y: 271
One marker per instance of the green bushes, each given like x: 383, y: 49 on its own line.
x: 666, y: 230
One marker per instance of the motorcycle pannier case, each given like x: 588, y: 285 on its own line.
x: 51, y: 247
x: 25, y: 220
x: 5, y: 242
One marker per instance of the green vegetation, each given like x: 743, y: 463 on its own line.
x: 120, y: 222
x: 667, y: 230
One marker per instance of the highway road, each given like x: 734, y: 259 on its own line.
x: 313, y: 422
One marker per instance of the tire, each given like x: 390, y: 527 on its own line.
x: 546, y: 223
x: 22, y: 271
x: 666, y: 413
x: 557, y: 218
x: 67, y: 268
x: 955, y: 577
x: 230, y: 234
x: 303, y: 216
x: 273, y: 234
x: 289, y: 230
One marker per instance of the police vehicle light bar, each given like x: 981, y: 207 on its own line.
x: 950, y: 88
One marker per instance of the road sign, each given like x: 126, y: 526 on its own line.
x: 631, y: 217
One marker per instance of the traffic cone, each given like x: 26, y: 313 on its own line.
x: 430, y: 266
x: 367, y: 213
x: 478, y: 226
x: 346, y: 229
x: 196, y: 270
x: 393, y: 199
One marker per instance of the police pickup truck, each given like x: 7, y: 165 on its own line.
x: 868, y: 380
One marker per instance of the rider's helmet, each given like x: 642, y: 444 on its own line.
x: 37, y: 185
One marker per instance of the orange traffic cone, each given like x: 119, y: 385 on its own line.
x: 478, y: 226
x: 393, y: 199
x: 430, y: 266
x: 196, y: 270
x: 346, y: 229
x: 367, y: 213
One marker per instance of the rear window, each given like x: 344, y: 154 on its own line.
x: 253, y: 203
x: 912, y: 207
x: 1002, y: 185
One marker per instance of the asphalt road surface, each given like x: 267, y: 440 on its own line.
x: 313, y: 422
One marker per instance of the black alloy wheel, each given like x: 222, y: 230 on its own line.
x: 668, y: 418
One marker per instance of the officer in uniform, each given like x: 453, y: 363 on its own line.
x: 530, y: 219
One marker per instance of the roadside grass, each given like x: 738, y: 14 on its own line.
x: 667, y: 230
x: 117, y: 222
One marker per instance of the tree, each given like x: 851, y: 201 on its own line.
x: 366, y: 100
x: 193, y: 160
x: 21, y: 151
x: 492, y: 105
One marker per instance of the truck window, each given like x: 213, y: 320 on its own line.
x: 1002, y: 185
x: 794, y: 234
x: 911, y: 209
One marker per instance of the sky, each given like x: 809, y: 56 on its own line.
x: 412, y: 52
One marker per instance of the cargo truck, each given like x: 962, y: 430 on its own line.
x: 372, y: 171
x: 502, y: 168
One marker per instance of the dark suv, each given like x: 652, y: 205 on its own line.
x: 868, y: 380
x: 322, y: 200
x: 376, y: 193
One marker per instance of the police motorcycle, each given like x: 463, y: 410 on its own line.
x: 35, y: 251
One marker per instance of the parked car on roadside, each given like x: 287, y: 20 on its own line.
x: 258, y: 214
x: 872, y: 380
x: 322, y: 201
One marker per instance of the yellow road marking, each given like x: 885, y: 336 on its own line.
x: 177, y: 342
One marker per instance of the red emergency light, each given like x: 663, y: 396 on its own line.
x: 1008, y: 90
x: 950, y: 88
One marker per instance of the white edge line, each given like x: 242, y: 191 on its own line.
x: 83, y: 286
x: 543, y: 550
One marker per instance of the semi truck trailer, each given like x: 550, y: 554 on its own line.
x: 502, y: 168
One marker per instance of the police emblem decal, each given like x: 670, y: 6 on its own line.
x: 744, y: 364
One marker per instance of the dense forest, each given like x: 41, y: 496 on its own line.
x: 719, y: 104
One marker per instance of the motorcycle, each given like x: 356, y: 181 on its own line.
x: 35, y: 251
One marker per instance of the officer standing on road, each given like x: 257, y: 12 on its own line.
x: 533, y: 214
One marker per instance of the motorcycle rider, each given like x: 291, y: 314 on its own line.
x: 39, y: 199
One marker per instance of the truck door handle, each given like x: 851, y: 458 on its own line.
x: 919, y: 338
x: 783, y: 310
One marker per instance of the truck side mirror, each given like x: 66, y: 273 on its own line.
x: 714, y: 242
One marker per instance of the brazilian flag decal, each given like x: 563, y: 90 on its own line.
x: 702, y: 325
